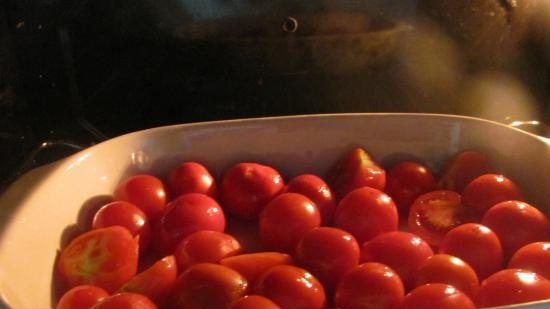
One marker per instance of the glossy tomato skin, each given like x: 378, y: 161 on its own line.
x: 512, y: 286
x: 489, y: 189
x: 291, y: 288
x: 205, y: 247
x: 247, y: 187
x: 406, y: 181
x: 253, y: 265
x: 393, y: 249
x: 370, y: 285
x: 365, y: 213
x: 317, y: 190
x: 534, y: 257
x: 208, y: 285
x: 285, y: 220
x: 106, y: 257
x: 192, y: 177
x: 437, y: 295
x: 81, y: 297
x: 125, y: 301
x: 146, y: 192
x: 476, y: 245
x: 462, y: 168
x: 516, y: 224
x: 254, y: 302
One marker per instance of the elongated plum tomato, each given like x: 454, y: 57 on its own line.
x: 106, y: 257
x: 437, y: 295
x: 192, y: 177
x: 489, y: 189
x: 247, y: 187
x: 534, y: 257
x: 317, y: 191
x: 370, y: 285
x: 125, y: 301
x: 205, y: 247
x: 254, y: 302
x: 365, y: 213
x: 406, y: 181
x: 253, y: 265
x: 146, y: 192
x: 81, y: 297
x: 462, y: 168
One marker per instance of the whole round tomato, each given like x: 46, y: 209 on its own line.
x: 291, y: 288
x: 369, y: 285
x: 476, y: 245
x: 247, y: 187
x: 489, y: 189
x: 317, y: 191
x: 512, y: 286
x: 403, y: 252
x: 462, y: 168
x: 81, y: 297
x: 534, y: 257
x: 192, y: 177
x: 125, y: 301
x: 205, y: 247
x: 146, y: 192
x: 406, y: 181
x: 365, y: 213
x: 207, y: 285
x: 254, y: 302
x: 437, y: 295
x: 253, y: 265
x: 285, y: 220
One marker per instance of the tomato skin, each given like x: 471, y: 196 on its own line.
x: 254, y: 302
x: 406, y: 181
x: 437, y: 295
x: 192, y: 177
x: 106, y: 257
x: 476, y: 245
x: 462, y: 168
x: 489, y: 189
x: 205, y: 247
x: 285, y: 220
x: 146, y: 192
x: 393, y: 248
x: 365, y: 213
x: 247, y: 187
x: 516, y: 224
x: 317, y: 191
x: 125, y: 301
x: 512, y: 286
x: 253, y: 265
x: 291, y: 288
x: 81, y: 297
x: 208, y: 285
x: 534, y: 257
x: 370, y: 285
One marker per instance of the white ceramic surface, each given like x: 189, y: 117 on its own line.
x: 36, y: 209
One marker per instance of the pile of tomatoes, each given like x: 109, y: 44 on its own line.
x: 360, y: 237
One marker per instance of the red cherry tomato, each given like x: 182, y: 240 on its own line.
x: 365, y: 213
x: 462, y: 169
x: 370, y: 285
x: 534, y: 257
x: 437, y: 295
x: 291, y: 288
x: 476, y: 245
x: 406, y: 181
x: 253, y: 265
x: 192, y: 177
x: 403, y: 252
x: 81, y: 297
x: 448, y: 269
x: 317, y: 191
x: 146, y: 192
x: 247, y: 187
x: 512, y: 286
x: 205, y: 247
x: 254, y: 302
x: 434, y: 214
x: 516, y: 225
x: 126, y: 215
x: 354, y: 170
x: 126, y: 301
x: 208, y: 285
x: 285, y: 220
x: 105, y: 257
x: 328, y: 253
x: 489, y: 189
x: 185, y: 215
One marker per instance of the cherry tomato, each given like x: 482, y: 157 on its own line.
x: 317, y: 191
x: 370, y: 285
x: 205, y: 247
x: 247, y: 187
x: 516, y: 224
x: 462, y: 169
x: 448, y: 269
x: 253, y: 265
x: 125, y: 301
x: 285, y: 220
x: 81, y: 297
x: 254, y: 302
x: 126, y: 215
x: 105, y: 257
x: 406, y: 181
x: 434, y: 214
x: 354, y: 170
x: 185, y: 215
x: 489, y: 189
x: 534, y: 257
x: 476, y: 245
x: 512, y: 286
x: 365, y: 213
x: 192, y: 177
x: 291, y: 288
x: 437, y: 295
x: 207, y: 285
x: 146, y: 192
